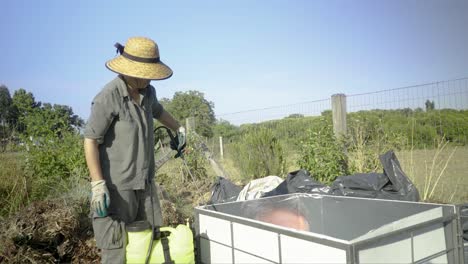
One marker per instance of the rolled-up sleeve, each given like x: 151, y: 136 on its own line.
x: 101, y: 117
x: 157, y: 107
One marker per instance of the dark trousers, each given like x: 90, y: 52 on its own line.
x: 125, y: 207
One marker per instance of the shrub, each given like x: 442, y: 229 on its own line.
x: 322, y: 154
x: 54, y: 163
x: 258, y: 153
x: 366, y: 143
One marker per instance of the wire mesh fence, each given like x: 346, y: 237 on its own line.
x: 310, y: 108
x: 423, y: 123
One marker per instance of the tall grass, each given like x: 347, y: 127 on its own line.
x: 14, y: 184
x: 54, y: 168
x: 438, y: 172
x: 427, y: 168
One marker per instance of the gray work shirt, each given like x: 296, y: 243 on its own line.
x: 124, y: 132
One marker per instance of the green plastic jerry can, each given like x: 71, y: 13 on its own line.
x: 180, y: 244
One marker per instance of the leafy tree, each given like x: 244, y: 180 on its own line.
x: 8, y: 115
x: 225, y: 129
x: 295, y: 116
x: 24, y: 102
x: 51, y: 120
x: 39, y: 120
x: 192, y: 104
x: 327, y: 113
x: 430, y: 105
x: 5, y: 104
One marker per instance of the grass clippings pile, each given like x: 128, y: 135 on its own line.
x: 53, y: 231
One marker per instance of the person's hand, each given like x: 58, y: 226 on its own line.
x: 182, y: 137
x: 179, y: 142
x: 100, y: 199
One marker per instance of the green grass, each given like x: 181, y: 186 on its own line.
x: 453, y: 184
x: 13, y: 183
x: 17, y: 186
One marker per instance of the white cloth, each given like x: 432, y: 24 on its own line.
x: 256, y: 188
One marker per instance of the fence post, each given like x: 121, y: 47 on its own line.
x: 190, y: 124
x: 339, y: 114
x: 221, y: 148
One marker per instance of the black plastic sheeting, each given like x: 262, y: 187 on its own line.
x: 298, y: 182
x: 392, y: 184
x: 223, y: 190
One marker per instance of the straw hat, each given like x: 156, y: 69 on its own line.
x: 139, y: 58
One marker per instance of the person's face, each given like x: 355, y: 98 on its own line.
x: 137, y: 83
x: 285, y: 218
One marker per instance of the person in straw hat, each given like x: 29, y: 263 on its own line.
x: 119, y: 146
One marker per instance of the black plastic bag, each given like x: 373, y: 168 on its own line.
x: 224, y: 191
x: 393, y: 184
x: 298, y: 181
x: 401, y: 187
x: 366, y: 185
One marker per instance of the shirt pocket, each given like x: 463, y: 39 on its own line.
x: 125, y: 141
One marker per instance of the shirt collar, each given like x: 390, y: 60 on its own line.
x: 122, y: 87
x: 124, y: 92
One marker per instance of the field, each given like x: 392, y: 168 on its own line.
x: 453, y: 184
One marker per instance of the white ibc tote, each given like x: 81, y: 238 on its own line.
x: 339, y: 230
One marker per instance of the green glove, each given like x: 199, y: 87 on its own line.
x: 100, y: 199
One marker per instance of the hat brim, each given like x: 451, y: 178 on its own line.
x: 149, y: 71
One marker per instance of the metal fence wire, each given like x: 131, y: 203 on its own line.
x: 424, y: 116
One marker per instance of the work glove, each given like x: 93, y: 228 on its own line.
x: 179, y: 142
x: 100, y: 199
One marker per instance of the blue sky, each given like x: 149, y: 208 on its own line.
x: 242, y: 54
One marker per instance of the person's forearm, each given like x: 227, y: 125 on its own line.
x: 92, y: 159
x: 169, y: 121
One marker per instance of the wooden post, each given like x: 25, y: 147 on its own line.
x: 190, y: 124
x: 339, y: 115
x: 221, y: 147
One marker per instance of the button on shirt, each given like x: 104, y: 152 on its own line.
x: 124, y: 131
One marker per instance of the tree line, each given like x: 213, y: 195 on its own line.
x: 420, y: 126
x: 22, y: 114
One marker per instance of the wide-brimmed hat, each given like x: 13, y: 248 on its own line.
x: 139, y: 58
